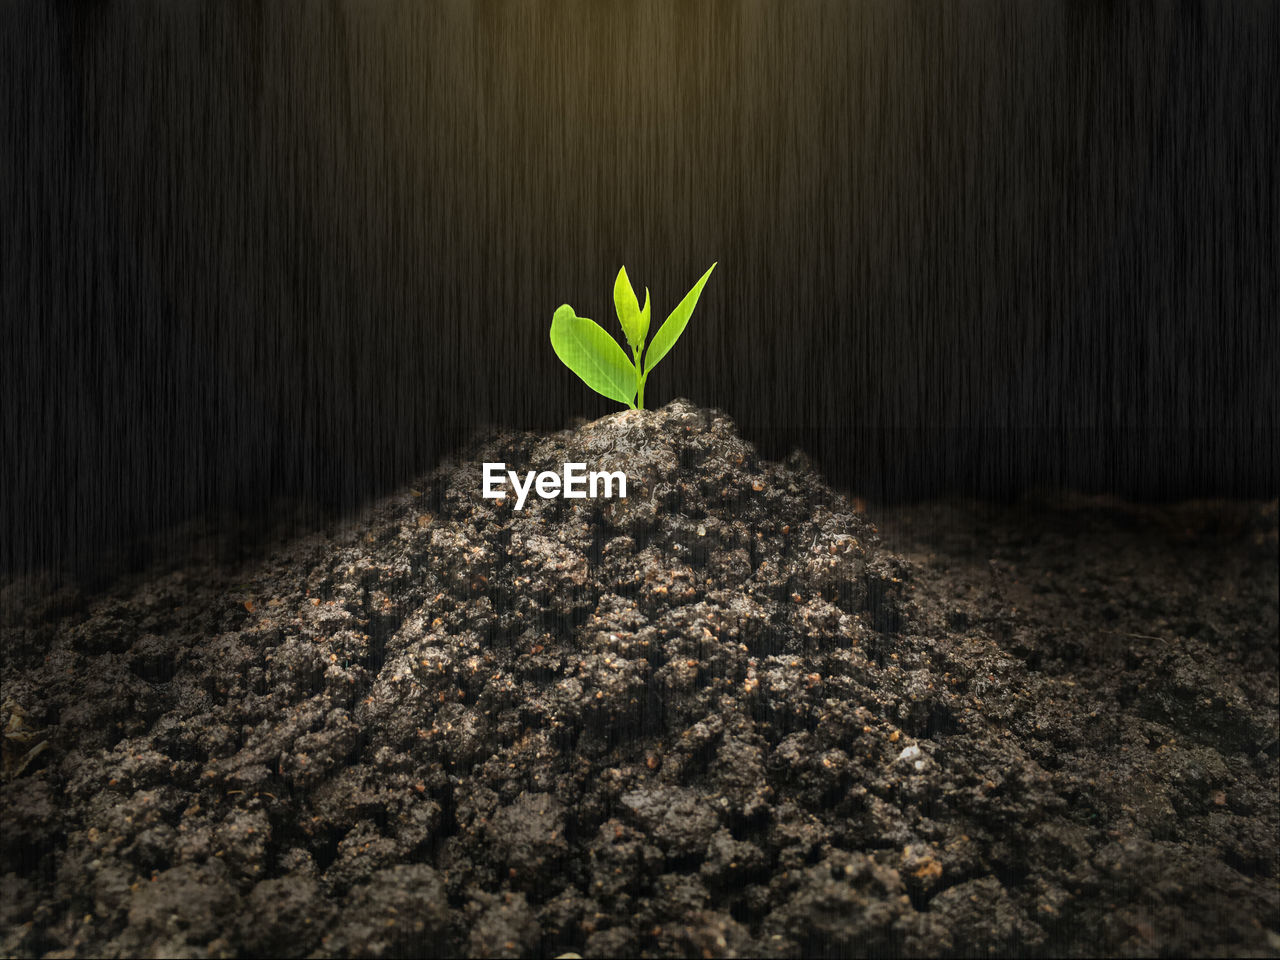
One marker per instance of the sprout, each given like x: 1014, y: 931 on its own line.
x: 586, y: 349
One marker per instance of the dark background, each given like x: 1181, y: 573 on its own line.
x: 266, y: 253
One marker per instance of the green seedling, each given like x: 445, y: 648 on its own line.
x: 586, y: 349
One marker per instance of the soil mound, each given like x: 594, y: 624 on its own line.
x: 715, y: 717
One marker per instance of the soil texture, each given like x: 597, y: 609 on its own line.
x: 725, y: 715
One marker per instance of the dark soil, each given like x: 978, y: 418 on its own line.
x: 720, y: 716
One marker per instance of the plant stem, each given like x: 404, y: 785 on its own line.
x: 636, y: 353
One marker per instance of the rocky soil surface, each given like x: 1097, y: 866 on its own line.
x: 718, y: 717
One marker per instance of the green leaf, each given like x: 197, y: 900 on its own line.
x: 674, y: 325
x: 633, y: 322
x: 586, y: 349
x: 644, y: 317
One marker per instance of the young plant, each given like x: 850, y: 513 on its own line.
x: 586, y: 349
